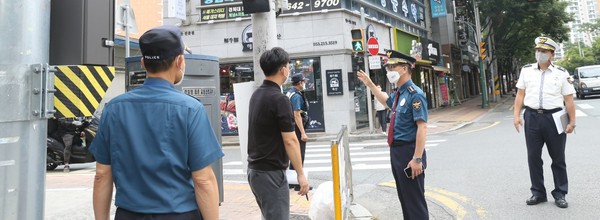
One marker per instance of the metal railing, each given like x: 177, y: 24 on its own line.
x: 343, y: 194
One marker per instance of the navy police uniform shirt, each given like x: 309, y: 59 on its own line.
x: 411, y: 107
x: 154, y: 137
x: 297, y: 100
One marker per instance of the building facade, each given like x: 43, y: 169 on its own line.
x: 317, y: 36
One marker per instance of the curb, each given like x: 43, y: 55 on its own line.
x: 299, y: 216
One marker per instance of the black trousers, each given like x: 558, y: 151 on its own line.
x: 411, y: 192
x: 270, y: 189
x: 302, y: 146
x: 539, y: 130
x: 382, y: 117
x: 123, y: 214
x: 68, y: 141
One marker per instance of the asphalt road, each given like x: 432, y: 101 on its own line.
x: 480, y: 172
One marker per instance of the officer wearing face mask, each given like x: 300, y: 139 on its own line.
x: 406, y: 134
x: 543, y: 89
x: 156, y: 144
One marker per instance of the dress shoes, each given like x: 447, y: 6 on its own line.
x: 561, y: 203
x: 534, y: 200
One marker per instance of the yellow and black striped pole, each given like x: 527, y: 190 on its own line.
x: 79, y: 89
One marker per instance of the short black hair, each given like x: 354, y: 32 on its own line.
x: 272, y: 60
x: 155, y: 66
x: 409, y: 67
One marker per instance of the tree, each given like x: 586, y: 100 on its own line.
x: 514, y: 24
x: 517, y: 23
x: 574, y: 58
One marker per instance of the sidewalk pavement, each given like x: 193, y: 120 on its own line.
x: 239, y: 201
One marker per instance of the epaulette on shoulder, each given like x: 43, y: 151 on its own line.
x: 561, y: 68
x: 411, y: 89
x: 528, y: 65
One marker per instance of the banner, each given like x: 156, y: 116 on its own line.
x: 438, y: 8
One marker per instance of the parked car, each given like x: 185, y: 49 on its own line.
x: 586, y: 80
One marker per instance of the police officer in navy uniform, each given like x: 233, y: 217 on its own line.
x: 301, y: 119
x: 543, y: 89
x: 406, y: 134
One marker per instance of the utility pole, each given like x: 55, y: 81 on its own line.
x: 484, y: 95
x: 126, y: 26
x: 264, y: 37
x: 369, y: 100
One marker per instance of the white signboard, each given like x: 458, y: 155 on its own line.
x: 374, y: 62
x: 176, y: 9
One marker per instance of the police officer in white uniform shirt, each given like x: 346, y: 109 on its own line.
x: 543, y: 89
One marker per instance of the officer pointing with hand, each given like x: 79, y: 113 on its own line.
x: 406, y: 134
x: 543, y: 89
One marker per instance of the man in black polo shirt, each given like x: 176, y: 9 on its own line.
x: 272, y: 139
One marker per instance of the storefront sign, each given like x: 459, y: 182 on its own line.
x: 438, y: 8
x: 247, y: 38
x: 404, y: 41
x: 222, y: 13
x: 412, y: 10
x: 334, y: 82
x: 325, y: 43
x: 430, y: 50
x: 311, y: 5
x: 371, y: 31
x: 218, y: 2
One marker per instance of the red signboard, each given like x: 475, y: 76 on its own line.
x: 373, y: 46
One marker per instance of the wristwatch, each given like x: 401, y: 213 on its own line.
x: 418, y: 159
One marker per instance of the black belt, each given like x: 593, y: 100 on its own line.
x: 399, y: 143
x: 543, y: 111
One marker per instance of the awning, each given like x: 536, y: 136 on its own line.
x: 441, y: 68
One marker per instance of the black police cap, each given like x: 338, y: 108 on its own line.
x: 395, y: 57
x: 161, y: 43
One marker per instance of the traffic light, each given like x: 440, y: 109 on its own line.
x: 255, y: 6
x: 483, y: 50
x: 358, y: 40
x: 463, y: 36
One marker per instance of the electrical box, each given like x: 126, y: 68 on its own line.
x: 82, y: 32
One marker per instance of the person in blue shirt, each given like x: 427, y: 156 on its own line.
x: 156, y: 143
x: 406, y: 134
x: 300, y: 108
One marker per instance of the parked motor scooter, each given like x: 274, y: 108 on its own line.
x: 83, y: 132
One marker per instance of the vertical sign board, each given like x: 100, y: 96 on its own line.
x: 334, y: 82
x: 176, y: 9
x: 438, y: 8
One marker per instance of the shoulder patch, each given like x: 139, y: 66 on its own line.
x: 417, y: 105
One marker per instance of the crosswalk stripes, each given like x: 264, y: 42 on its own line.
x: 364, y: 156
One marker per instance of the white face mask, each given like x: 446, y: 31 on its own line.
x: 182, y: 76
x: 287, y: 78
x: 542, y: 57
x: 393, y: 76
